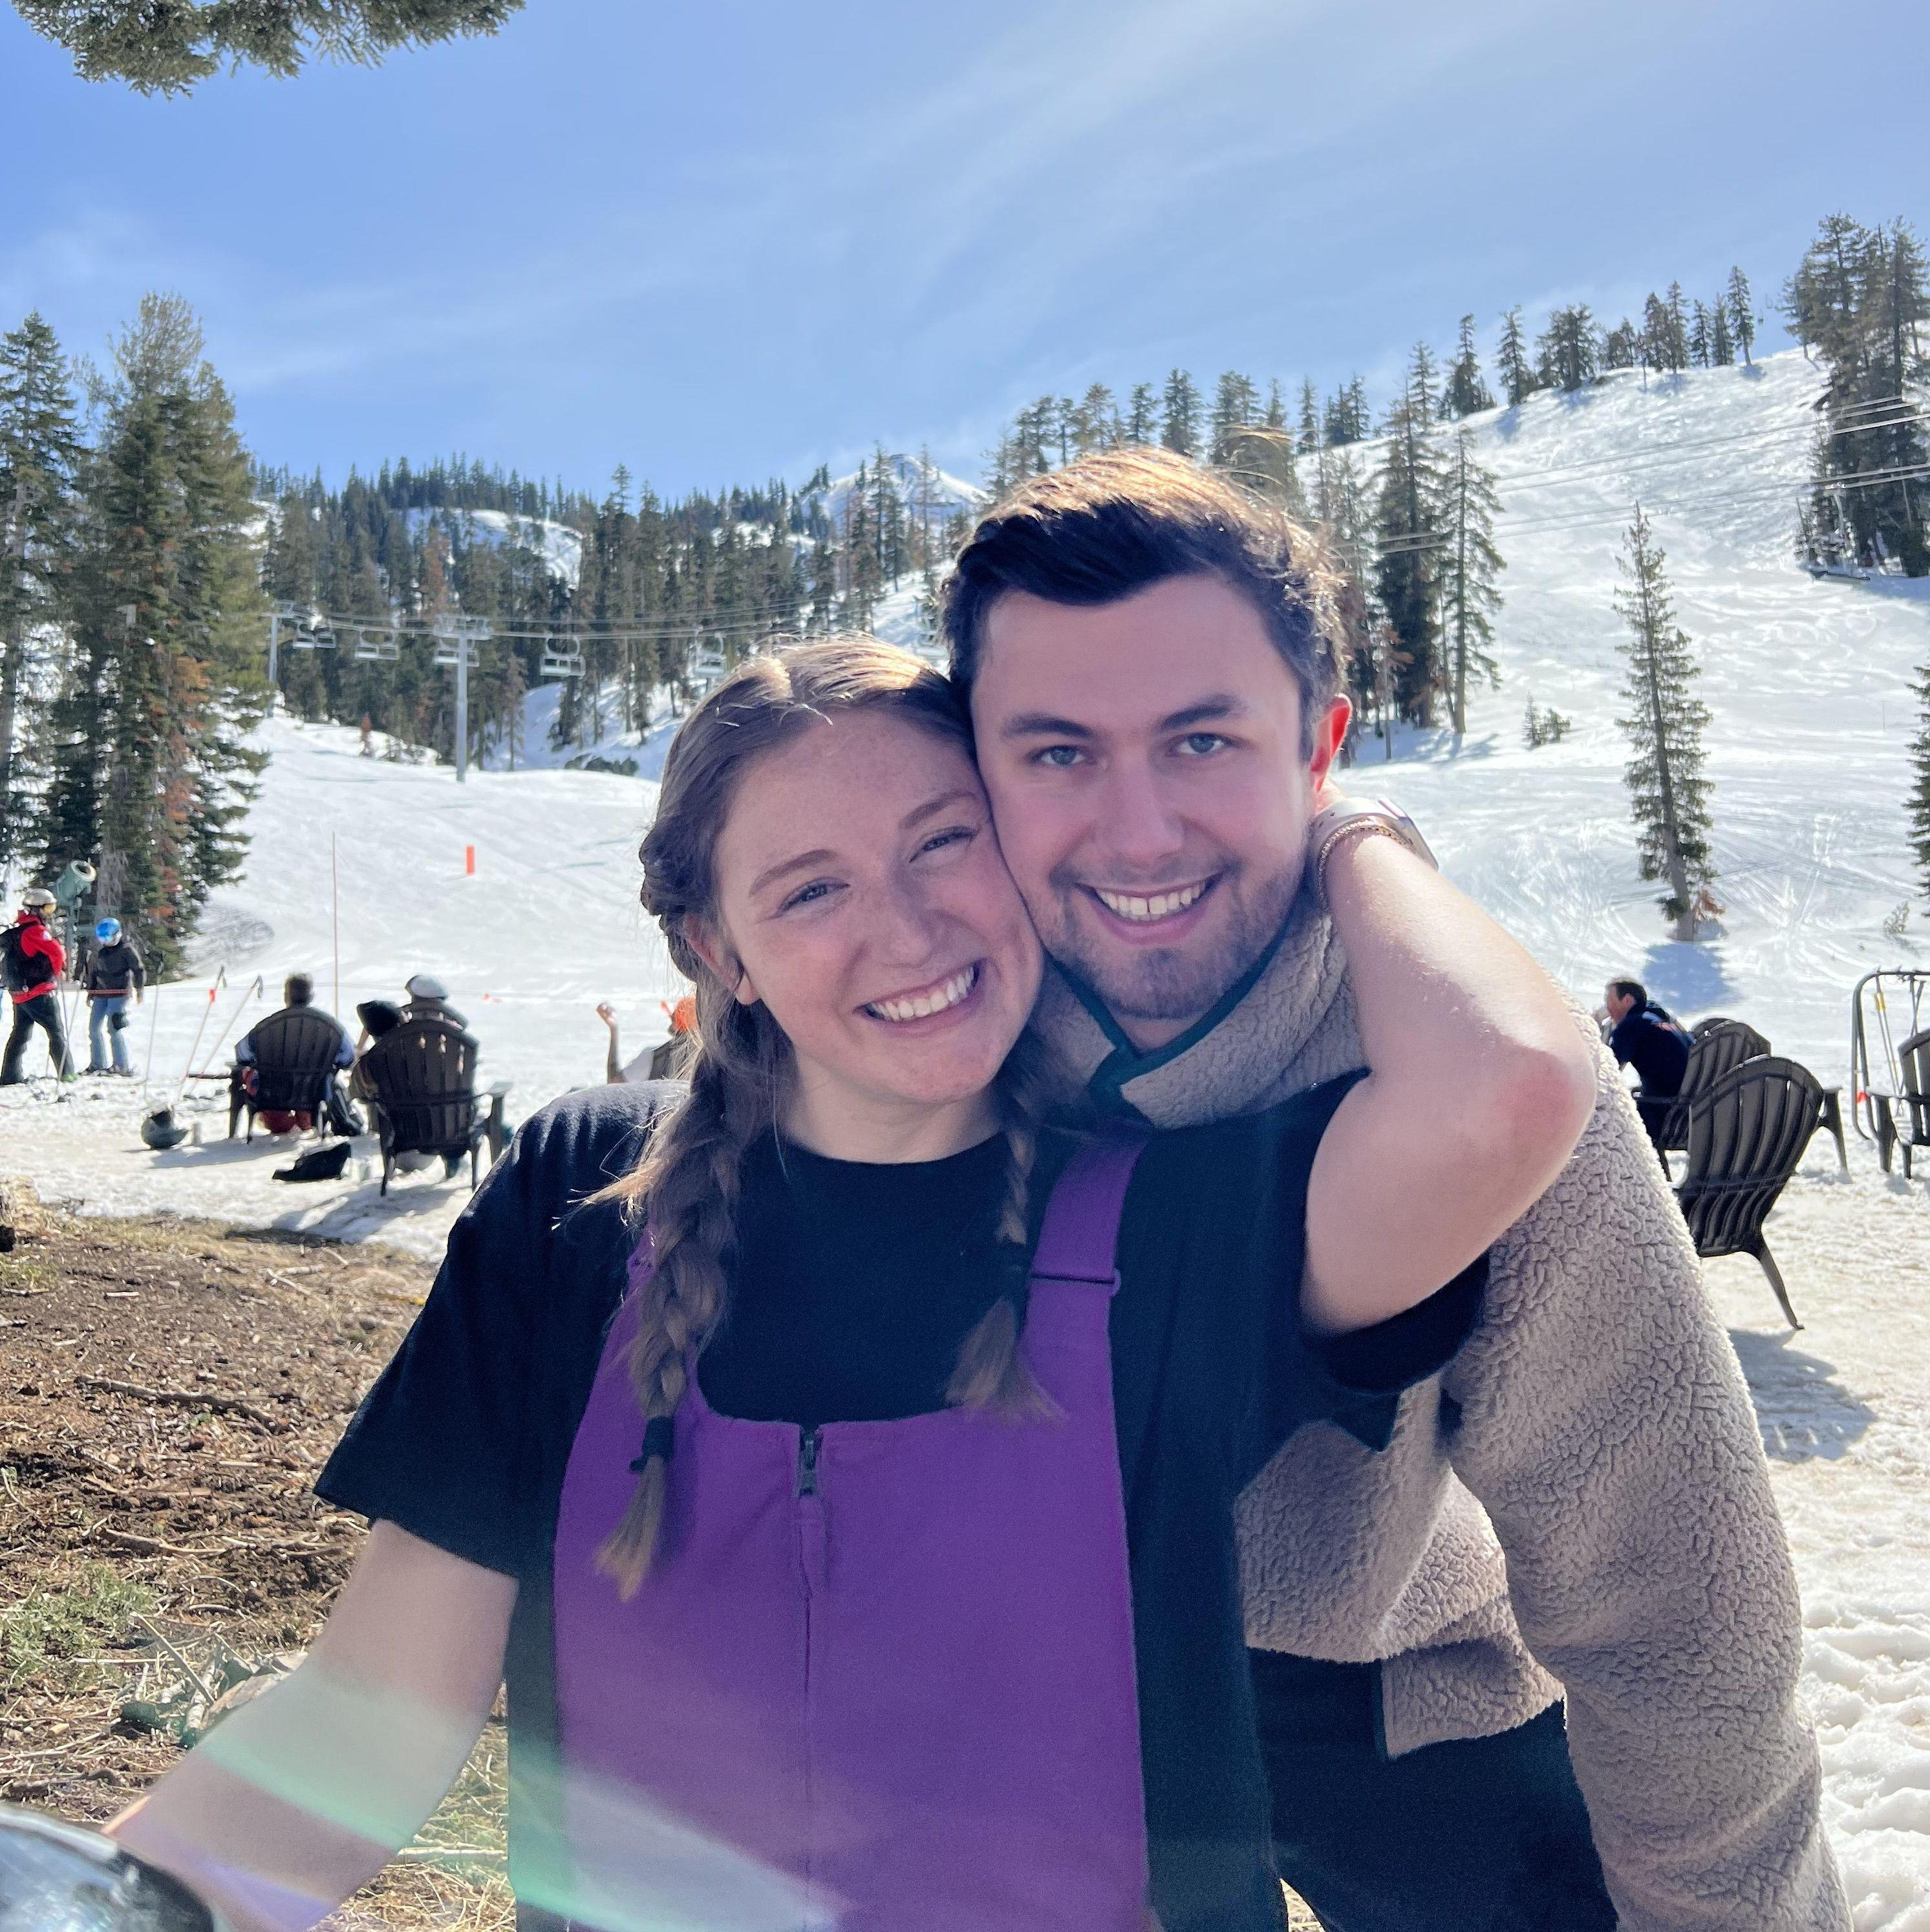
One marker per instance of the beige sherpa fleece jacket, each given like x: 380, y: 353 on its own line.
x: 1578, y: 1504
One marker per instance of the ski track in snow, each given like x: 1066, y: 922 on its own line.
x: 1811, y: 687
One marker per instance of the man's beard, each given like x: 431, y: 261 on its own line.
x: 1175, y: 982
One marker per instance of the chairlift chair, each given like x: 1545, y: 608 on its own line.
x: 1746, y: 1132
x: 376, y: 646
x: 1889, y: 1061
x: 562, y: 657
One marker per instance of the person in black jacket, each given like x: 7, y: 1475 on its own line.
x: 114, y: 975
x: 1650, y: 1038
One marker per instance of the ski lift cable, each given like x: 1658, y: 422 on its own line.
x: 1767, y: 491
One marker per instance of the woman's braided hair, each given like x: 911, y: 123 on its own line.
x: 688, y: 1184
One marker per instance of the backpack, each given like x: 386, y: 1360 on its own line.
x: 17, y: 970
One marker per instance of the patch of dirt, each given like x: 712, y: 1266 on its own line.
x: 168, y: 1391
x: 151, y: 1537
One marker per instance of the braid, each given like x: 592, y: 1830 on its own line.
x: 991, y: 1371
x: 691, y: 1179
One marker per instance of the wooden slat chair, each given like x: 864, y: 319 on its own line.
x: 1746, y: 1134
x: 1714, y: 1048
x: 294, y: 1062
x: 421, y: 1081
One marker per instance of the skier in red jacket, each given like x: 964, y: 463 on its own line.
x: 33, y: 960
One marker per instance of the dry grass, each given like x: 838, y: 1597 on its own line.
x: 151, y: 1551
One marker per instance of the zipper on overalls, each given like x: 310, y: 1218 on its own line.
x: 811, y: 1566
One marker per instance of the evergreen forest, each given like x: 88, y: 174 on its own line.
x: 146, y: 559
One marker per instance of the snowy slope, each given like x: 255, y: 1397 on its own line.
x: 934, y: 491
x: 1810, y: 684
x: 559, y: 546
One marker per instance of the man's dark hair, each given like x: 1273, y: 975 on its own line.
x: 297, y: 990
x: 1630, y: 989
x: 1111, y: 524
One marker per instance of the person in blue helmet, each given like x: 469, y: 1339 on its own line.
x: 115, y: 976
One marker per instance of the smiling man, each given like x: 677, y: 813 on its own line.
x: 1535, y: 1650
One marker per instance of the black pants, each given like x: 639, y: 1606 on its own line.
x: 42, y: 1011
x: 1490, y: 1835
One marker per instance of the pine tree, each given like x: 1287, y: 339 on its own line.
x: 1701, y: 339
x: 1310, y: 417
x: 40, y: 459
x: 1179, y: 414
x: 1236, y: 404
x: 1664, y: 333
x: 1858, y: 302
x: 1275, y: 414
x: 1664, y: 725
x: 1722, y: 343
x: 166, y: 49
x: 1518, y: 380
x: 1422, y: 372
x: 1347, y: 415
x: 1407, y: 542
x: 151, y: 777
x: 1678, y: 315
x: 1622, y: 346
x: 1098, y: 426
x: 1466, y: 392
x: 1142, y: 425
x: 1568, y: 357
x: 1470, y: 564
x: 1741, y: 305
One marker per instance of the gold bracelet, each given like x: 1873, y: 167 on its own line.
x: 1362, y: 827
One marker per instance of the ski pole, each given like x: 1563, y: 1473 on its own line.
x: 215, y: 1051
x: 154, y: 1021
x: 220, y: 980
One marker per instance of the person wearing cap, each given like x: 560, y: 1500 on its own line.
x: 428, y: 1000
x: 34, y: 960
x: 114, y: 974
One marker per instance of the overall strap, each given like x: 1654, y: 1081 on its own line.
x: 1079, y: 1239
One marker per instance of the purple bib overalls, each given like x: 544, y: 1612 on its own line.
x: 880, y: 1676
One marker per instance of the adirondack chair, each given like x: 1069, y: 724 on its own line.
x: 1746, y: 1133
x: 1714, y: 1049
x: 295, y: 1053
x: 1912, y: 1056
x: 421, y: 1081
x: 1708, y: 1023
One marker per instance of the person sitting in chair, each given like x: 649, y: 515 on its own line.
x: 428, y: 1000
x: 1650, y: 1038
x: 298, y: 991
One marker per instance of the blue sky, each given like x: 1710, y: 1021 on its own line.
x: 721, y: 242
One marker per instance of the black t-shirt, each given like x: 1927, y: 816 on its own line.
x: 852, y: 1288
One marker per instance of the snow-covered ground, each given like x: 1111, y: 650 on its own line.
x: 1810, y: 684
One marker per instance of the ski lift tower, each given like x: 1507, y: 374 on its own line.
x: 456, y: 641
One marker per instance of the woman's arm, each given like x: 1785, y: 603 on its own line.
x: 1481, y: 1083
x: 303, y: 1795
x: 612, y: 1067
